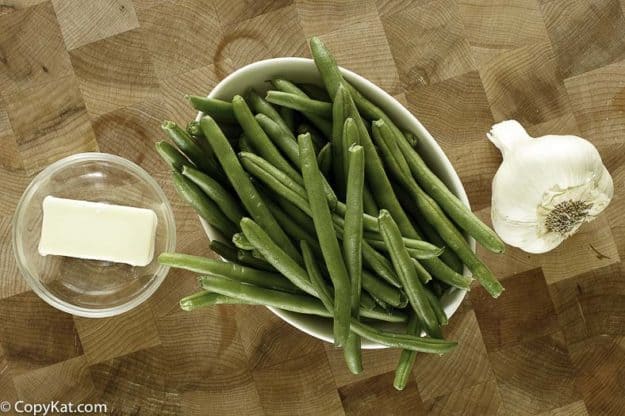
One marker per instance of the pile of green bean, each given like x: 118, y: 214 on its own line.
x: 325, y: 207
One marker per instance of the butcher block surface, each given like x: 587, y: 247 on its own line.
x: 101, y: 75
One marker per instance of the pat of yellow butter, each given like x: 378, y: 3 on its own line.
x: 97, y: 231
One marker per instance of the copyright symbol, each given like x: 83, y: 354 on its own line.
x: 5, y: 407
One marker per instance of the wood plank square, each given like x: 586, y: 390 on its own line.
x: 199, y: 81
x: 467, y: 365
x: 376, y: 396
x: 231, y: 12
x: 181, y: 35
x: 268, y: 340
x: 114, y: 72
x: 69, y: 380
x: 83, y: 23
x: 524, y: 84
x: 15, y: 5
x: 535, y: 376
x: 107, y: 338
x: 33, y: 334
x: 456, y: 112
x: 136, y: 384
x: 592, y: 303
x: 493, y: 26
x: 7, y: 388
x: 523, y: 312
x: 12, y: 281
x: 363, y: 48
x: 584, y: 34
x: 13, y: 184
x: 207, y: 368
x: 428, y: 43
x: 574, y: 409
x: 50, y: 122
x: 132, y: 132
x: 305, y: 379
x: 374, y: 362
x: 482, y: 399
x: 597, y: 100
x: 600, y: 363
x: 270, y: 35
x: 319, y: 17
x: 9, y: 155
x: 32, y: 49
x: 592, y: 247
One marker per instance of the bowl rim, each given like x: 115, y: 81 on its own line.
x: 38, y: 287
x: 422, y: 132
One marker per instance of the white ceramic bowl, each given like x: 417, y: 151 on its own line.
x: 257, y: 74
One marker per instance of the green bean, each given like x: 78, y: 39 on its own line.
x: 193, y: 128
x: 369, y: 204
x: 244, y: 145
x: 316, y: 278
x: 252, y: 259
x: 383, y: 291
x: 295, y: 230
x: 374, y: 260
x: 407, y: 357
x: 349, y: 139
x: 407, y: 274
x: 436, y: 217
x: 229, y: 205
x: 324, y: 160
x: 297, y: 215
x: 257, y: 137
x: 282, y: 139
x: 322, y: 124
x: 276, y: 256
x: 437, y: 190
x: 192, y: 149
x: 411, y: 139
x: 352, y: 245
x: 204, y: 298
x: 315, y: 92
x: 316, y: 135
x: 447, y: 256
x: 202, y: 204
x: 224, y: 250
x: 431, y: 183
x: 218, y: 109
x: 441, y: 317
x: 377, y: 179
x: 326, y: 65
x: 418, y: 249
x: 367, y: 302
x: 249, y: 196
x: 269, y: 174
x: 422, y: 272
x: 352, y: 231
x: 328, y: 241
x: 307, y: 305
x: 260, y: 106
x: 227, y: 270
x: 288, y: 116
x: 339, y: 120
x: 405, y: 341
x: 171, y: 155
x: 299, y: 103
x: 240, y: 241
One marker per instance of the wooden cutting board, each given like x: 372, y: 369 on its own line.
x: 101, y: 75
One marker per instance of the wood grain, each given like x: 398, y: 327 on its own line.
x: 101, y: 75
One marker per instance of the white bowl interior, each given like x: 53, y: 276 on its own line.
x: 303, y: 70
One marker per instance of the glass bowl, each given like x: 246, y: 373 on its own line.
x: 91, y: 288
x: 303, y: 70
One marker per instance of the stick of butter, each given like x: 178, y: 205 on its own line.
x: 97, y: 231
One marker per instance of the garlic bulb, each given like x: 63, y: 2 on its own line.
x: 546, y: 187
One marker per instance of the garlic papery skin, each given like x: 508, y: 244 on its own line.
x: 546, y: 187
